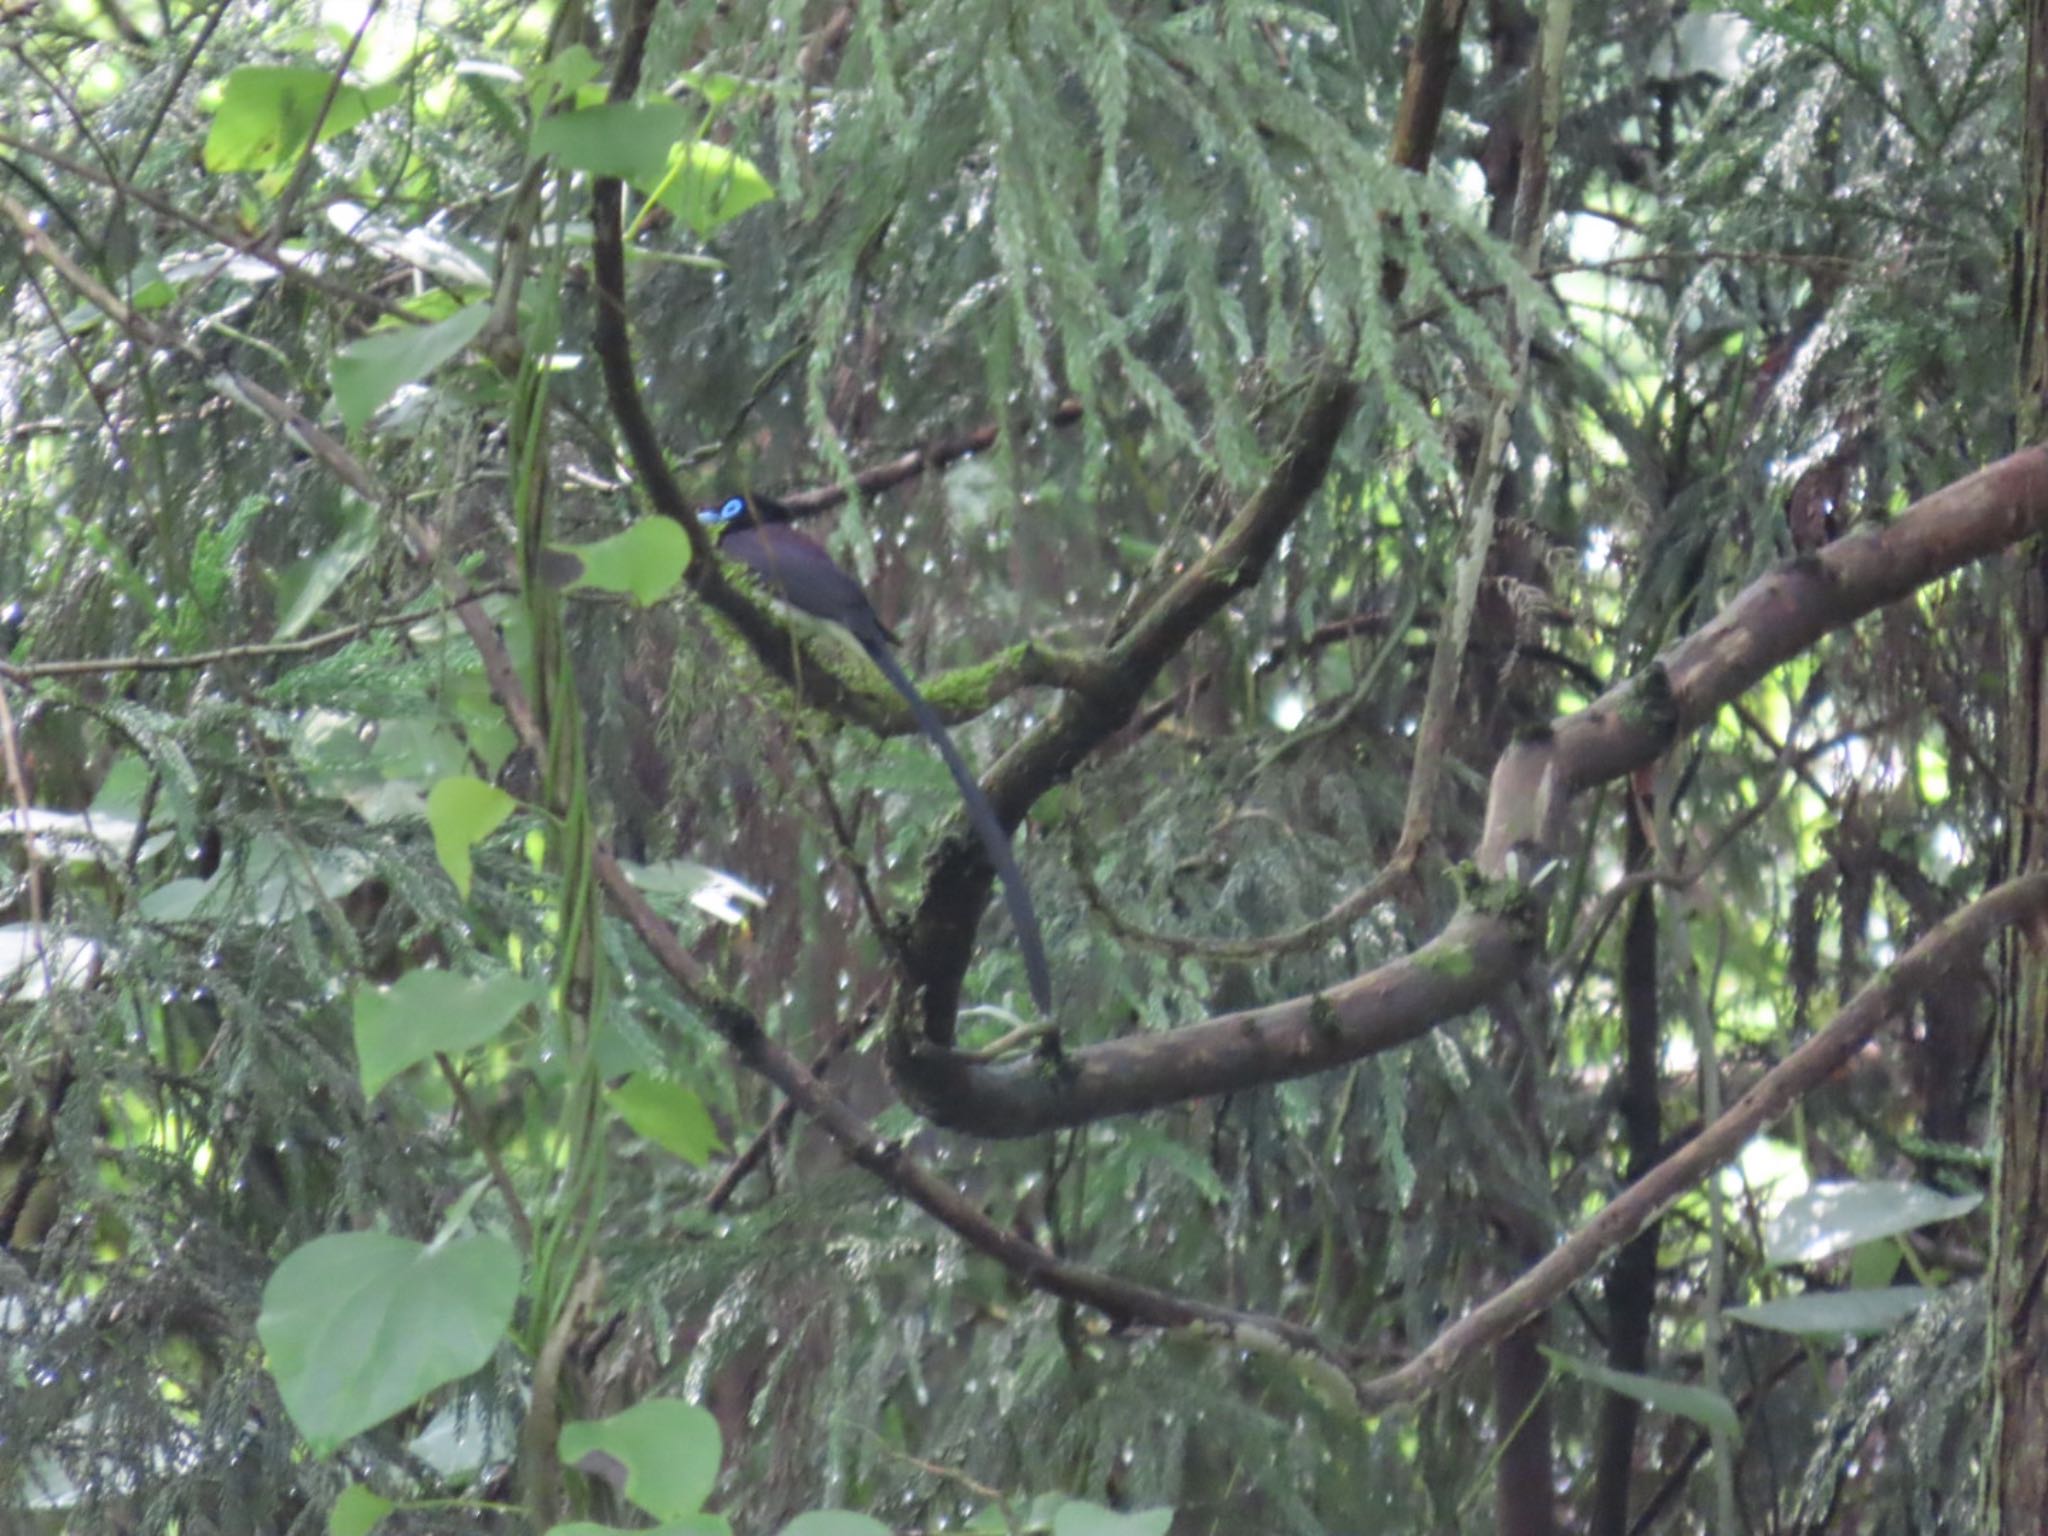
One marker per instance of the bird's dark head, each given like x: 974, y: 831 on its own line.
x: 731, y: 513
x: 742, y: 512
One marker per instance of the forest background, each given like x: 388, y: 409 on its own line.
x: 1489, y: 554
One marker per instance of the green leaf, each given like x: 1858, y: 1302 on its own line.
x: 669, y: 1115
x: 645, y: 561
x: 463, y: 812
x: 1830, y: 1217
x: 706, y: 185
x: 694, y: 1525
x: 568, y: 71
x: 629, y: 140
x: 648, y: 144
x: 1710, y: 1410
x: 1077, y: 1517
x: 404, y: 1024
x: 267, y: 882
x: 709, y: 890
x: 267, y: 112
x: 482, y: 79
x: 356, y: 1512
x: 306, y: 584
x: 1832, y: 1314
x: 359, y: 1325
x: 669, y: 1450
x: 370, y: 371
x: 835, y: 1522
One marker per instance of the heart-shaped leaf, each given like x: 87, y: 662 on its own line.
x: 670, y: 1451
x: 359, y: 1325
x: 423, y: 1012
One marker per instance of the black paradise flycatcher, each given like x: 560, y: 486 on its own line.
x: 796, y: 568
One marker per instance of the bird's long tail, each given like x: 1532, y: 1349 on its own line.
x: 1015, y: 893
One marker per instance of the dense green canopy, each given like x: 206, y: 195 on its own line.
x: 433, y: 876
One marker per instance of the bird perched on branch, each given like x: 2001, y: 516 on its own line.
x: 795, y: 567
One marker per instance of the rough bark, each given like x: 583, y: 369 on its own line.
x: 2019, y: 1317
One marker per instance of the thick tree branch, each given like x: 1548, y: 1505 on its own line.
x: 957, y: 887
x: 1451, y: 975
x: 1779, y: 616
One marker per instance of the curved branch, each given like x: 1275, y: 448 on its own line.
x: 1790, y: 607
x: 942, y: 931
x: 1775, y: 618
x: 1477, y: 953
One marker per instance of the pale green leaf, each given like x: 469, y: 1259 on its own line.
x: 1831, y: 1217
x: 835, y: 1522
x: 425, y: 1012
x: 669, y: 1451
x: 667, y: 1114
x: 356, y: 1512
x: 462, y: 812
x: 370, y: 371
x: 359, y: 1325
x: 1077, y: 1517
x: 706, y: 185
x: 267, y: 112
x: 1833, y: 1314
x: 645, y: 561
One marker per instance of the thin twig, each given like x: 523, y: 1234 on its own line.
x: 87, y: 666
x: 479, y: 1132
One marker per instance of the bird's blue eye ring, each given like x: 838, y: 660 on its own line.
x: 732, y: 509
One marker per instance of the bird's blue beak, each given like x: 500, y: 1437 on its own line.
x: 715, y: 516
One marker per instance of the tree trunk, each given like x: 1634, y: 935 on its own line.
x: 2020, y: 1310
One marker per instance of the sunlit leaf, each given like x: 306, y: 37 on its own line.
x: 462, y: 812
x: 267, y: 112
x: 707, y: 185
x: 1830, y: 1217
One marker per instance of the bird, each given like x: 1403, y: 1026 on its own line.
x: 756, y: 532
